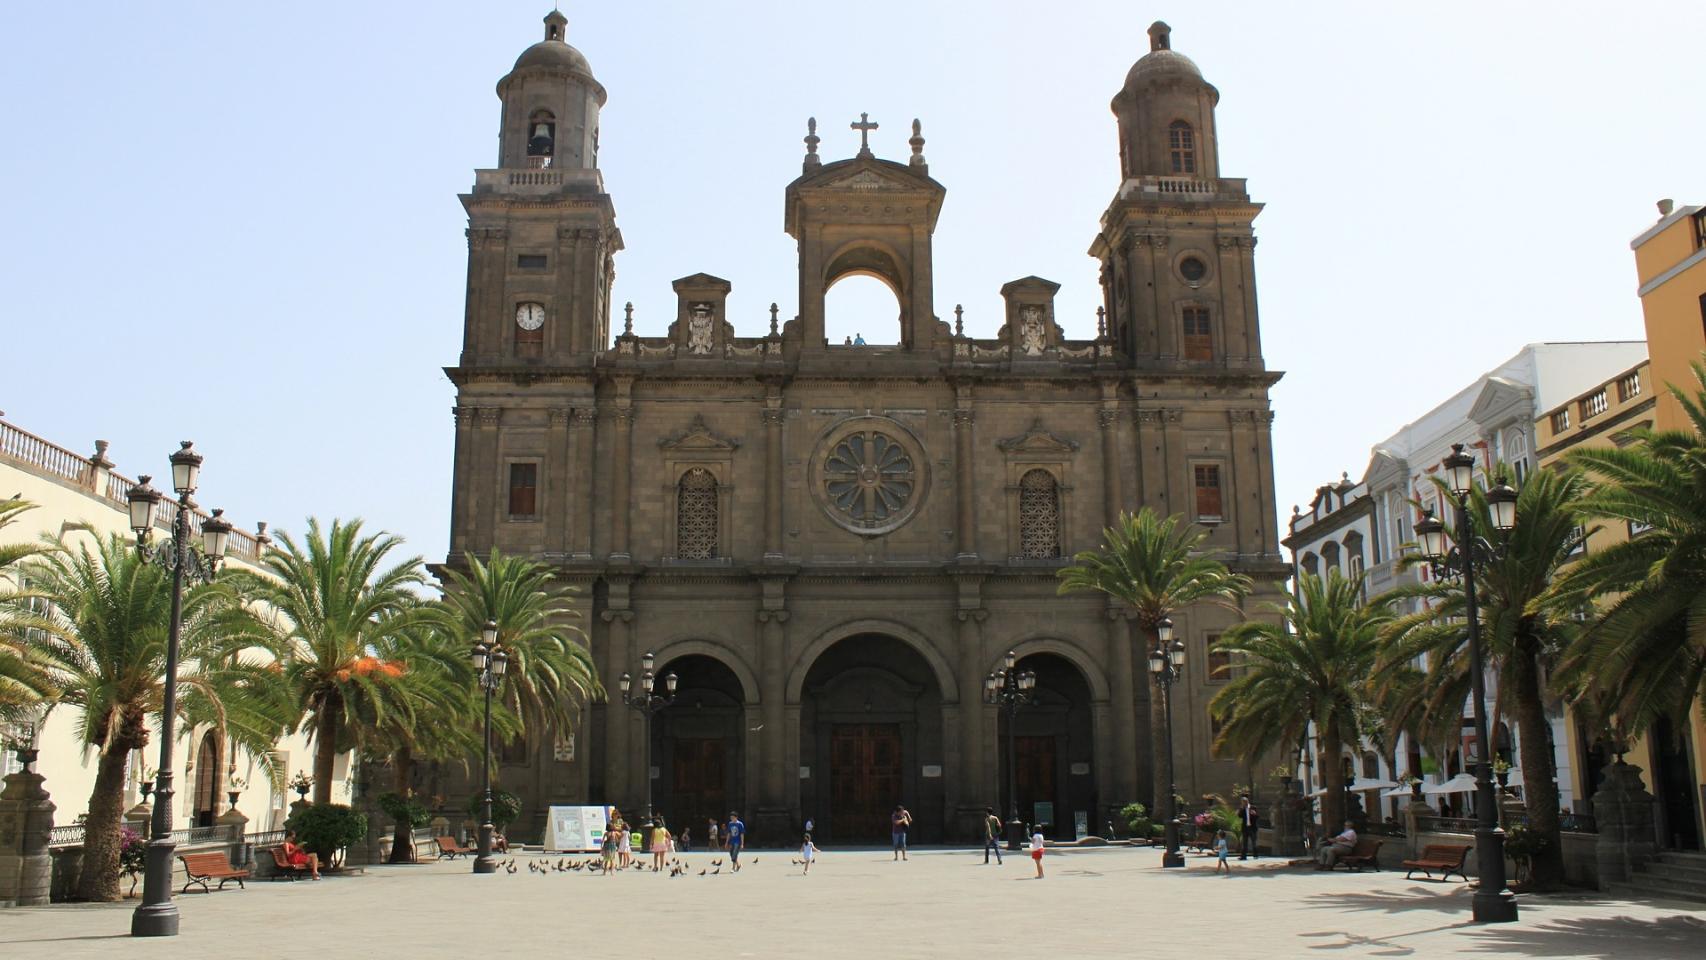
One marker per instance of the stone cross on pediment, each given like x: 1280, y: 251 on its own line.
x: 864, y: 126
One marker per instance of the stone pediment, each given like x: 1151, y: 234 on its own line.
x: 1038, y: 440
x: 1500, y: 401
x: 699, y: 437
x: 867, y: 180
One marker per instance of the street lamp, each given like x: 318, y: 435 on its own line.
x: 157, y: 916
x: 1493, y: 902
x: 1010, y: 689
x: 490, y: 662
x: 648, y: 701
x: 1165, y: 663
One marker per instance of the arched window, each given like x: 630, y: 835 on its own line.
x: 1039, y: 515
x: 1182, y: 146
x: 1311, y: 564
x: 696, y: 521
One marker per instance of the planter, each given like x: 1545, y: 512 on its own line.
x: 232, y: 795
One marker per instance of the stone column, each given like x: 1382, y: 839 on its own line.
x: 621, y: 494
x: 773, y: 645
x: 236, y: 824
x: 26, y: 824
x: 965, y: 490
x: 462, y: 496
x: 1175, y: 482
x: 585, y: 454
x: 558, y: 485
x: 1113, y: 496
x: 1151, y: 460
x: 1240, y: 485
x: 773, y: 475
x: 618, y: 660
x: 1122, y: 775
x: 486, y: 478
x: 1623, y: 809
x: 977, y: 786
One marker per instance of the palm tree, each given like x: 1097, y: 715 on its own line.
x: 1155, y: 567
x: 340, y: 603
x: 23, y: 684
x: 101, y: 644
x: 1645, y: 657
x: 1523, y: 623
x: 551, y: 674
x: 1308, y: 666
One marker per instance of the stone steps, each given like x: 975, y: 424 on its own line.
x: 1640, y: 887
x: 1670, y: 875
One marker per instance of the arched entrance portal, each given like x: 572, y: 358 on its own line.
x: 207, y: 769
x: 871, y: 737
x: 697, y: 745
x: 1053, y: 749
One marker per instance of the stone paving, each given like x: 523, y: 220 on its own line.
x: 859, y: 903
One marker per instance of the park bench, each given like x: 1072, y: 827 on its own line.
x: 1366, y: 853
x: 1446, y: 857
x: 285, y: 870
x: 203, y: 868
x: 449, y: 849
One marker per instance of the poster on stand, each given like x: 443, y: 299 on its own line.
x: 575, y: 829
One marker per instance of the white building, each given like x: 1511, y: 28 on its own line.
x: 1363, y: 526
x: 81, y: 498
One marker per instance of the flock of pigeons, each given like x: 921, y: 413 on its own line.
x: 593, y: 865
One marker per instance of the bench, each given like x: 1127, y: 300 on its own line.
x: 285, y: 869
x: 1366, y: 853
x: 449, y: 849
x: 1446, y: 857
x: 203, y: 868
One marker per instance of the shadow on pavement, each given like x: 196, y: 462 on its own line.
x: 1345, y: 940
x: 97, y: 936
x: 1433, y: 900
x: 1611, y: 938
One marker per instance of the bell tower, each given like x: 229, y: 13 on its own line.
x: 1176, y: 244
x: 541, y: 230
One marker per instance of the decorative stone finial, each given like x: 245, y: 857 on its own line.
x: 1160, y: 36
x: 959, y: 320
x: 628, y: 319
x: 917, y: 142
x: 261, y: 535
x: 100, y: 457
x: 1665, y: 207
x: 864, y: 126
x: 773, y: 320
x: 556, y: 25
x: 1101, y: 323
x: 812, y: 140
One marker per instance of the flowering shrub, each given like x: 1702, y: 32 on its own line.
x: 132, y: 855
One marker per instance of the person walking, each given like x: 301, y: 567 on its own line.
x: 991, y: 835
x: 735, y: 833
x: 899, y: 821
x: 607, y: 851
x: 1250, y: 820
x: 1037, y: 850
x: 659, y: 844
x: 1221, y: 850
x: 808, y: 853
x: 711, y: 841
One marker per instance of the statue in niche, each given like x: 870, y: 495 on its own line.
x: 699, y: 329
x: 1031, y: 335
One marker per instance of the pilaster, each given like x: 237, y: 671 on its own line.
x: 558, y: 481
x: 965, y: 490
x: 582, y: 423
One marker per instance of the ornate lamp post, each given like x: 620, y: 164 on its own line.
x: 158, y: 914
x: 1493, y: 902
x: 1165, y: 662
x: 1011, y: 689
x: 490, y: 662
x: 648, y: 701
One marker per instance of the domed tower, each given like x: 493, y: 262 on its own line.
x: 550, y: 105
x: 1176, y: 247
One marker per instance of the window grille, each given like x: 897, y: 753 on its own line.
x: 1208, y: 492
x: 696, y: 515
x: 1182, y: 145
x: 1199, y: 337
x: 1039, y: 516
x: 523, y: 489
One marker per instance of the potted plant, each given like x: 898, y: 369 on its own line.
x: 149, y: 774
x: 237, y: 786
x: 302, y: 783
x: 132, y: 856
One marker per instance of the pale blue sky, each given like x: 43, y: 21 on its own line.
x: 274, y: 188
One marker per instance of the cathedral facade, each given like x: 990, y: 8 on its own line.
x: 832, y: 546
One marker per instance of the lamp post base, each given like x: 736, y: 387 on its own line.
x: 155, y: 920
x: 484, y: 862
x: 1494, y: 906
x: 1015, y: 835
x: 1173, y: 857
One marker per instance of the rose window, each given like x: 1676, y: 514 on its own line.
x: 869, y: 479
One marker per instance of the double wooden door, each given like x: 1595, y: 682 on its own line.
x: 864, y: 780
x: 1034, y: 768
x: 700, y: 781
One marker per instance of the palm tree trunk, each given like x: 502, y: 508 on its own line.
x: 1160, y: 788
x: 101, y: 839
x: 1539, y: 790
x: 1333, y: 781
x: 325, y: 749
x: 403, y: 833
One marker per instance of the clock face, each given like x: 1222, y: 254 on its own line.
x: 530, y: 316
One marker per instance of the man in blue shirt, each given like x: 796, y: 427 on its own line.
x: 736, y: 834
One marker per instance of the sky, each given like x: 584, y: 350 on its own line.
x: 238, y: 223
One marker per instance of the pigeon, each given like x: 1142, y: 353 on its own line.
x: 701, y: 873
x: 509, y: 868
x: 716, y: 871
x: 532, y: 866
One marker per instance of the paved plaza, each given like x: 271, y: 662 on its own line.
x: 859, y: 903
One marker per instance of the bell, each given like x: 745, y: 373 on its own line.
x: 541, y: 132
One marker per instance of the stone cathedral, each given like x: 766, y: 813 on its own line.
x: 832, y: 545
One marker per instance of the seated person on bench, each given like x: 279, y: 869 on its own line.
x: 1337, y: 847
x: 299, y: 857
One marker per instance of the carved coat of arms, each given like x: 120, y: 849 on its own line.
x: 699, y: 329
x: 1031, y: 335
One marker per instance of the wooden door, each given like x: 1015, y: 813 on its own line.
x: 864, y: 780
x: 1035, y: 772
x: 699, y: 781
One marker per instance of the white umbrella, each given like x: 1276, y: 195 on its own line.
x: 1462, y: 783
x: 1397, y: 791
x: 1371, y: 783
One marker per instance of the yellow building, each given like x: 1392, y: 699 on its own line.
x: 1603, y: 416
x: 1670, y: 266
x: 78, y: 498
